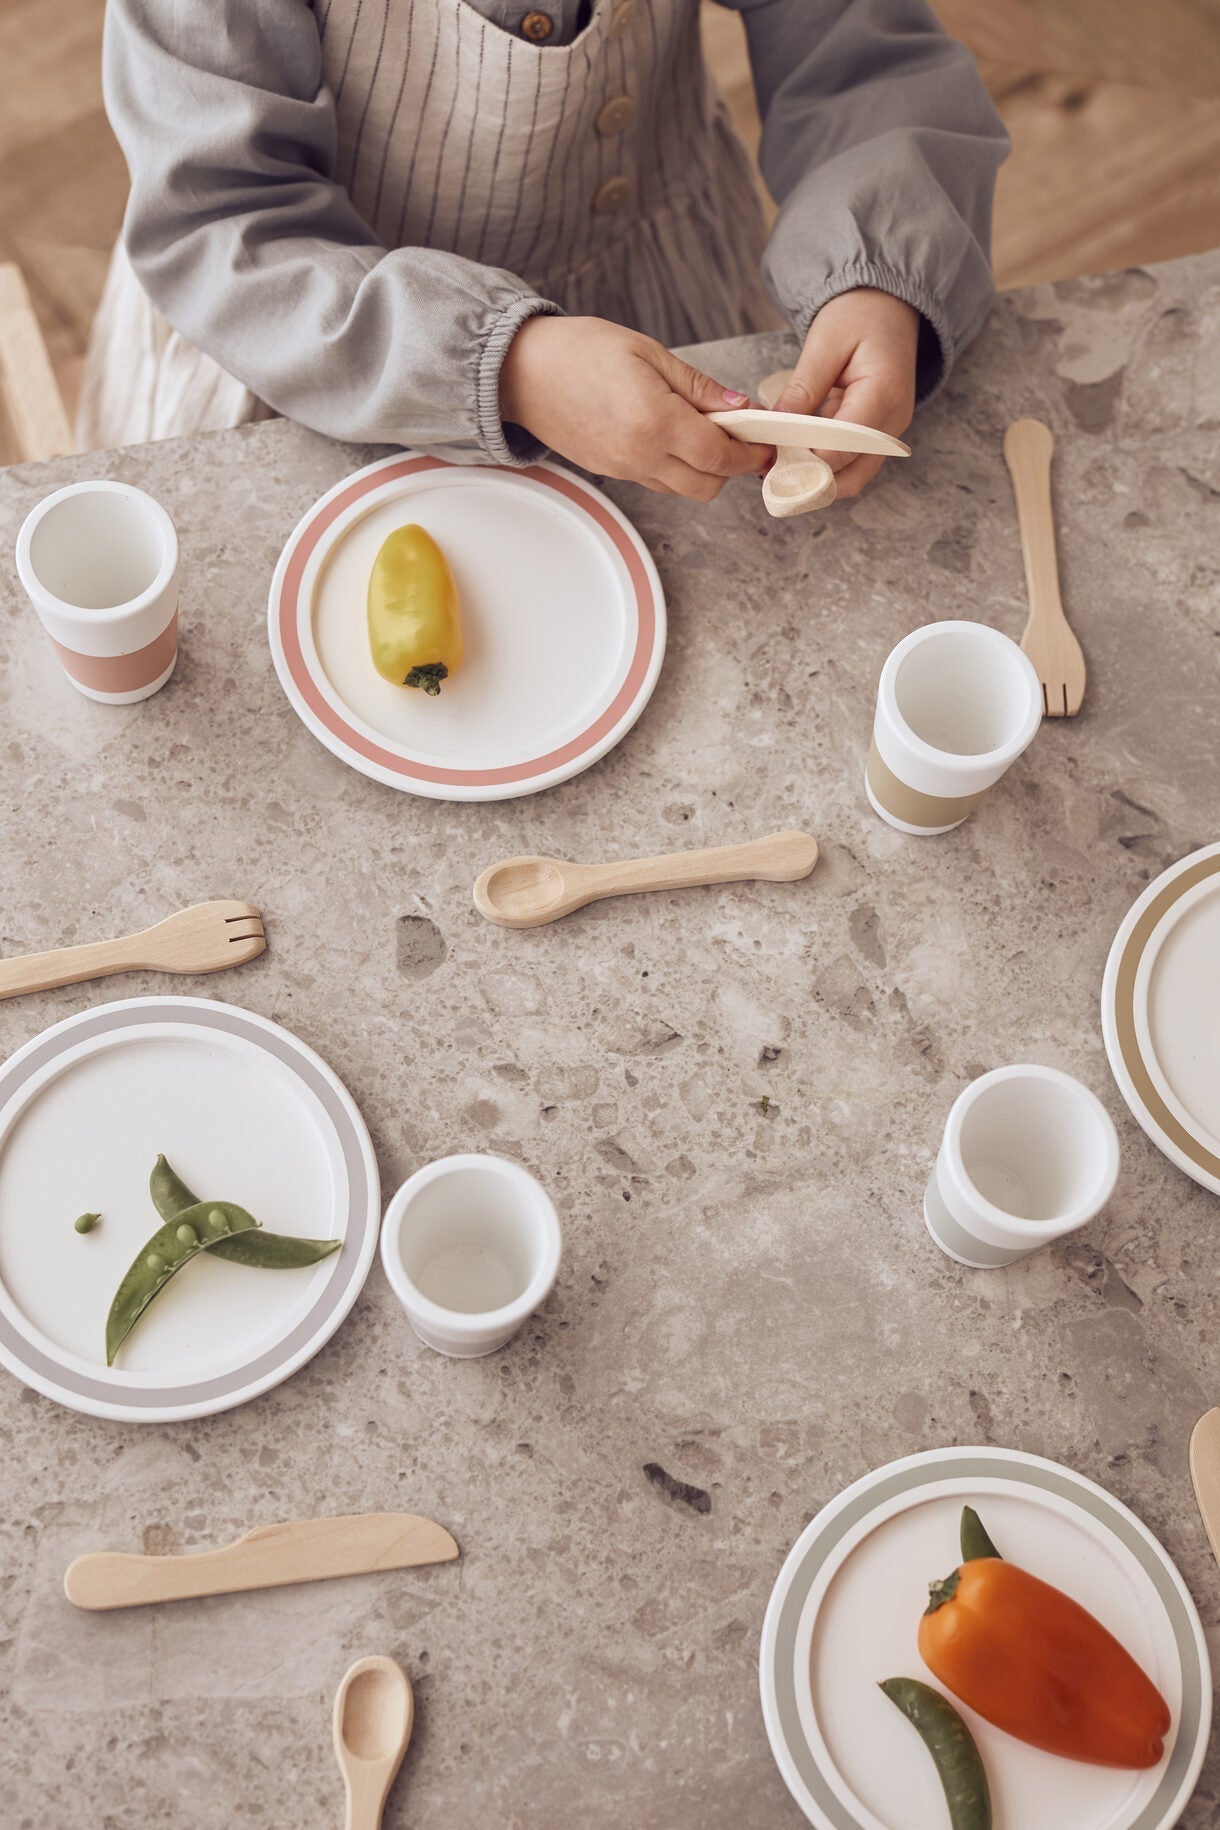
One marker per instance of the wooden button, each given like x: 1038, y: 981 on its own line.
x: 537, y: 27
x: 611, y: 197
x: 621, y: 17
x: 616, y: 115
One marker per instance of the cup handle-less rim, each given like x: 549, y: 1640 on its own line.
x: 468, y: 1322
x: 37, y: 591
x: 1035, y: 1230
x: 998, y: 759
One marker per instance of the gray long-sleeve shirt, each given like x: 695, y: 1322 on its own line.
x: 238, y: 119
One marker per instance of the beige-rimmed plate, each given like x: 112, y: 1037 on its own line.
x: 1160, y: 1013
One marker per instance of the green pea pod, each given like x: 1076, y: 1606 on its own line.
x: 951, y: 1745
x: 190, y: 1231
x: 169, y: 1192
x: 262, y: 1251
x: 975, y: 1541
x: 265, y: 1251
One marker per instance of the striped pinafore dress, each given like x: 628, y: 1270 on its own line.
x: 605, y: 174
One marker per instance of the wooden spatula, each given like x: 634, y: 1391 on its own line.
x: 273, y: 1555
x: 1205, y: 1473
x: 1048, y: 641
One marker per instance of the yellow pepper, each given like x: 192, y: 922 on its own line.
x: 415, y: 636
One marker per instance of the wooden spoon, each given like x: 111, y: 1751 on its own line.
x: 798, y: 480
x: 374, y: 1716
x: 525, y: 892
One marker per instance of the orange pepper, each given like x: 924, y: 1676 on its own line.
x: 1038, y: 1665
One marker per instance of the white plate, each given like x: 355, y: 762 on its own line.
x: 563, y: 620
x: 245, y: 1113
x: 1160, y: 1013
x: 845, y: 1612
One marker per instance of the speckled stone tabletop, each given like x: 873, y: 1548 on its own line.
x: 734, y: 1095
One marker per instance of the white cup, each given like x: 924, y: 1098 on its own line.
x: 1028, y: 1155
x: 956, y: 703
x: 471, y: 1248
x: 99, y: 563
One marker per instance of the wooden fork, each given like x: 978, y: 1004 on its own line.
x: 205, y: 938
x: 1048, y: 641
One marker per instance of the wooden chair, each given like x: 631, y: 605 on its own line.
x: 33, y: 421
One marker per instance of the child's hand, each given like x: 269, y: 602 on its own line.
x: 616, y: 403
x: 858, y: 363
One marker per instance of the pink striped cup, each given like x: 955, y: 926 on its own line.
x: 99, y: 563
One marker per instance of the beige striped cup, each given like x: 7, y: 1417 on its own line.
x: 99, y: 563
x: 956, y: 704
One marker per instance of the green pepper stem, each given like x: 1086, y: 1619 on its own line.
x: 428, y: 678
x: 940, y: 1592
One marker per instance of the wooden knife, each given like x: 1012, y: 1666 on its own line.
x: 1205, y: 1473
x: 305, y: 1551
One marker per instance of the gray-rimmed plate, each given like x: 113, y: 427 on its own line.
x: 844, y: 1615
x: 244, y: 1112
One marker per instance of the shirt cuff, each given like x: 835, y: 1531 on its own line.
x: 934, y: 357
x: 503, y: 442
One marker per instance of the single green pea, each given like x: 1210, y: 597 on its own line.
x: 187, y: 1235
x: 155, y: 1262
x: 86, y: 1222
x: 218, y: 1221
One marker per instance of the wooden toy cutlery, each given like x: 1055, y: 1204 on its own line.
x: 798, y: 480
x: 373, y: 1719
x: 806, y: 432
x: 1205, y: 1474
x: 271, y: 1556
x: 1048, y: 640
x: 525, y: 892
x: 209, y: 937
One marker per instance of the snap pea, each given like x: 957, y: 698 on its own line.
x: 262, y: 1251
x: 951, y: 1745
x: 85, y: 1223
x: 192, y: 1230
x: 975, y: 1542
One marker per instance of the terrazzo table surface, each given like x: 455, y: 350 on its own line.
x: 734, y: 1095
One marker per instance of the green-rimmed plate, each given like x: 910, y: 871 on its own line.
x: 1160, y: 1013
x: 844, y: 1615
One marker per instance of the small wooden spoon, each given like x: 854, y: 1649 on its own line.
x: 525, y: 892
x: 374, y: 1716
x: 798, y: 480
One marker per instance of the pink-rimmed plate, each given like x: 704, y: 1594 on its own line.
x: 563, y: 619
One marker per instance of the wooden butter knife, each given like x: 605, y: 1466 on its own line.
x: 268, y: 1557
x: 1205, y: 1473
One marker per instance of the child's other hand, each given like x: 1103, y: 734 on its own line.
x: 616, y: 403
x: 858, y: 363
